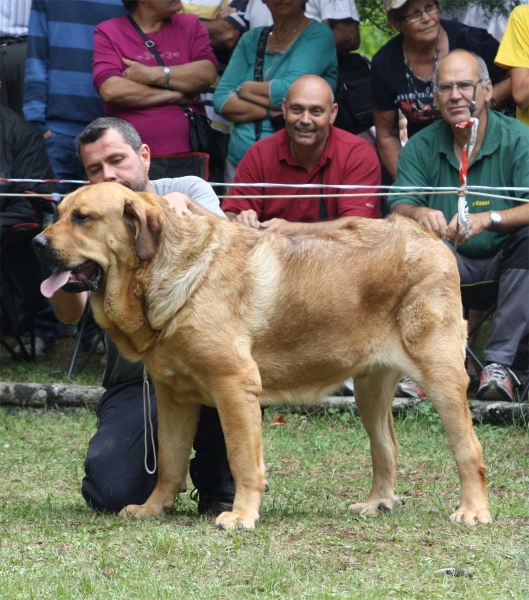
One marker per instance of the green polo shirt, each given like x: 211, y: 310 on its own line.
x: 428, y: 160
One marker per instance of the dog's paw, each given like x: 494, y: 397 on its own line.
x: 471, y: 516
x: 236, y: 520
x: 372, y: 508
x: 139, y: 511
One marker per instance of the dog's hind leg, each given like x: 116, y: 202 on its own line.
x: 177, y: 425
x: 237, y: 399
x: 446, y: 388
x: 374, y: 395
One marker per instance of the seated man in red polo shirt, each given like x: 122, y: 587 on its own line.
x: 308, y: 150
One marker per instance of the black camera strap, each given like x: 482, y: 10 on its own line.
x: 258, y: 70
x: 323, y: 205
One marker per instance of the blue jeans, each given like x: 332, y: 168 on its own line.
x: 61, y: 152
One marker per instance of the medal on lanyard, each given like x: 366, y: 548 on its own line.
x: 462, y: 205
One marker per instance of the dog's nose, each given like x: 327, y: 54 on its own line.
x: 40, y: 242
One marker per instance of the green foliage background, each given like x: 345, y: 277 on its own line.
x: 372, y: 11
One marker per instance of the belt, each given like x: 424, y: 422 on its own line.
x: 7, y: 41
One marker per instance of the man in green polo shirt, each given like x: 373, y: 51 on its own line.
x: 497, y: 242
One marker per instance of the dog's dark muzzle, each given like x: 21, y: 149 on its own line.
x: 87, y: 276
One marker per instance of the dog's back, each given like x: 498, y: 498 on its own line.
x: 314, y: 310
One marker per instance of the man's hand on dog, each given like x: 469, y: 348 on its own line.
x: 435, y: 220
x: 280, y: 226
x: 432, y: 219
x: 249, y: 218
x: 179, y: 203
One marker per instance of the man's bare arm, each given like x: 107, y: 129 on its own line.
x: 288, y: 228
x: 513, y: 219
x: 222, y: 34
x: 198, y: 209
x: 183, y: 205
x: 68, y: 308
x: 427, y: 217
x: 520, y: 86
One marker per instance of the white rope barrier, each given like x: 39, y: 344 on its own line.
x: 477, y: 190
x: 301, y: 185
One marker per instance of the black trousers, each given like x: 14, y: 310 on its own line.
x: 115, y: 475
x: 12, y: 68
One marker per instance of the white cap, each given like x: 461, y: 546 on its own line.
x: 393, y: 4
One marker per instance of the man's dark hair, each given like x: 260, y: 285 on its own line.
x: 130, y: 4
x: 97, y: 129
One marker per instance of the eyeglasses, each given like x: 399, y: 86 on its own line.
x: 462, y: 86
x: 416, y: 15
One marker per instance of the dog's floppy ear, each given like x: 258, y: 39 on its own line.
x: 148, y: 224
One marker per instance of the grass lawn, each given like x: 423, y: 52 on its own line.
x: 52, y: 367
x: 306, y: 546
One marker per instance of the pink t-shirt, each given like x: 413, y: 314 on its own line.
x: 182, y: 39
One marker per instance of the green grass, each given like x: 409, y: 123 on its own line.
x: 52, y: 367
x: 306, y: 546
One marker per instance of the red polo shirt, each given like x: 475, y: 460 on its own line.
x: 347, y: 159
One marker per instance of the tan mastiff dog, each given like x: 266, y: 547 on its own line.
x: 229, y: 316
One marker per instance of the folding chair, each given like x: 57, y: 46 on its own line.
x: 482, y: 296
x: 20, y: 276
x: 91, y: 351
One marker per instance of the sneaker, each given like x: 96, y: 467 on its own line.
x: 407, y: 388
x: 66, y: 331
x: 40, y: 347
x: 209, y: 504
x: 496, y: 383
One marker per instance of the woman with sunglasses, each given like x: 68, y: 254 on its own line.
x: 403, y: 68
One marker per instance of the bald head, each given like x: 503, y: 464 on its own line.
x: 462, y: 58
x: 311, y: 86
x: 309, y: 112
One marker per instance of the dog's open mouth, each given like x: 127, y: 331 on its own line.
x: 85, y: 277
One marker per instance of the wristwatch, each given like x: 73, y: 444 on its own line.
x: 166, y: 72
x: 495, y: 219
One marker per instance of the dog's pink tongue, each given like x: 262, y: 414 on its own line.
x: 54, y: 282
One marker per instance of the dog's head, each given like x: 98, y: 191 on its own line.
x: 100, y: 228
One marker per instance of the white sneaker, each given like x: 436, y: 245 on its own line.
x: 40, y: 347
x: 496, y: 383
x: 407, y: 388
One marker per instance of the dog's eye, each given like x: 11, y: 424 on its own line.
x: 80, y: 219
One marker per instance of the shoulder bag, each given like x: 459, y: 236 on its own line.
x: 200, y: 133
x: 353, y: 94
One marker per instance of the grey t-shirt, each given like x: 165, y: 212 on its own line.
x: 118, y: 369
x: 197, y: 189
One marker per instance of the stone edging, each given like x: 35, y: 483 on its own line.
x: 61, y: 395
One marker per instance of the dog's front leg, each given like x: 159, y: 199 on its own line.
x: 177, y: 424
x: 237, y: 399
